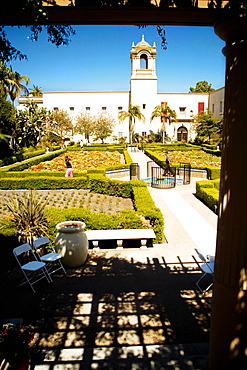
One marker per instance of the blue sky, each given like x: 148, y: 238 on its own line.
x: 97, y: 59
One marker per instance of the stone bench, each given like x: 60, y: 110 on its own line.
x: 119, y: 235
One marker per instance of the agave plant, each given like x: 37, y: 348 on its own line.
x: 27, y: 213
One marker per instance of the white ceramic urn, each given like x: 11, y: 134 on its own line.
x: 71, y: 241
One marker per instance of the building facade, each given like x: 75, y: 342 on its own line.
x: 143, y: 93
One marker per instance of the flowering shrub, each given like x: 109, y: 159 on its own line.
x: 194, y: 157
x: 80, y: 161
x: 15, y: 340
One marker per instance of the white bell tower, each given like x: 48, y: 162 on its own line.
x: 143, y: 81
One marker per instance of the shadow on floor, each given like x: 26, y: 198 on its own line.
x: 114, y: 313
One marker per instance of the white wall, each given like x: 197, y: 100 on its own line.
x: 216, y: 102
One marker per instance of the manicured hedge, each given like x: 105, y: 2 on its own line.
x: 208, y: 192
x: 127, y: 219
x: 20, y: 166
x: 42, y: 182
x: 102, y: 185
x: 145, y: 205
x: 25, y: 155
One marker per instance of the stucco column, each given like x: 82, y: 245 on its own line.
x: 228, y: 338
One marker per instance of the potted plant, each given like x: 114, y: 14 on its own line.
x: 16, y: 342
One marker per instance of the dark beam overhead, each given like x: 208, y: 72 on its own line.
x: 75, y: 15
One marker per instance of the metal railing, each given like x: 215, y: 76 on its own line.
x: 163, y: 179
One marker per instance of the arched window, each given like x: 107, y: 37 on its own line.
x: 143, y: 61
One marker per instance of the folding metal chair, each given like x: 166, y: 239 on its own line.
x: 207, y: 267
x: 52, y: 259
x: 34, y: 270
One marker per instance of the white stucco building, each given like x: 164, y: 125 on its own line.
x: 143, y: 93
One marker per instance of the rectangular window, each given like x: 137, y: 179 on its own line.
x: 200, y: 107
x: 143, y: 106
x: 221, y: 106
x: 103, y: 108
x: 88, y: 108
x: 120, y: 108
x: 55, y: 109
x: 72, y: 109
x: 182, y: 110
x: 212, y: 108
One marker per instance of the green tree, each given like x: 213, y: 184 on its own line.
x: 61, y: 123
x: 32, y: 124
x: 165, y: 113
x: 5, y: 79
x: 207, y: 127
x: 11, y: 82
x: 7, y: 127
x: 201, y: 87
x: 16, y: 88
x: 85, y: 124
x: 104, y: 125
x: 132, y: 113
x: 36, y: 91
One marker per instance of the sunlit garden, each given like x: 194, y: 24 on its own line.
x: 81, y: 161
x: 194, y: 157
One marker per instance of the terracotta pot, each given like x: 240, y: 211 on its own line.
x: 72, y: 243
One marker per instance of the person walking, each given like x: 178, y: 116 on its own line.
x: 69, y: 169
x: 168, y: 168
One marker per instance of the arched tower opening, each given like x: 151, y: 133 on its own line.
x: 143, y: 61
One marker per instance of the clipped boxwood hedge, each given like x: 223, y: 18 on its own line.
x: 127, y: 219
x: 42, y: 182
x: 208, y: 192
x: 20, y: 166
x: 144, y: 204
x: 25, y: 155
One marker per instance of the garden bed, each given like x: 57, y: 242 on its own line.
x: 72, y: 198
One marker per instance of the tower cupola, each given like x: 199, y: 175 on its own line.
x: 143, y: 58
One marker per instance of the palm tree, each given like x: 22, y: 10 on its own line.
x: 5, y: 80
x: 16, y: 88
x: 11, y: 82
x: 165, y: 113
x: 133, y: 112
x: 36, y: 91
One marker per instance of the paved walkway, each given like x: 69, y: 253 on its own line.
x: 189, y: 224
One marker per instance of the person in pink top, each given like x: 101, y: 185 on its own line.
x: 69, y: 169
